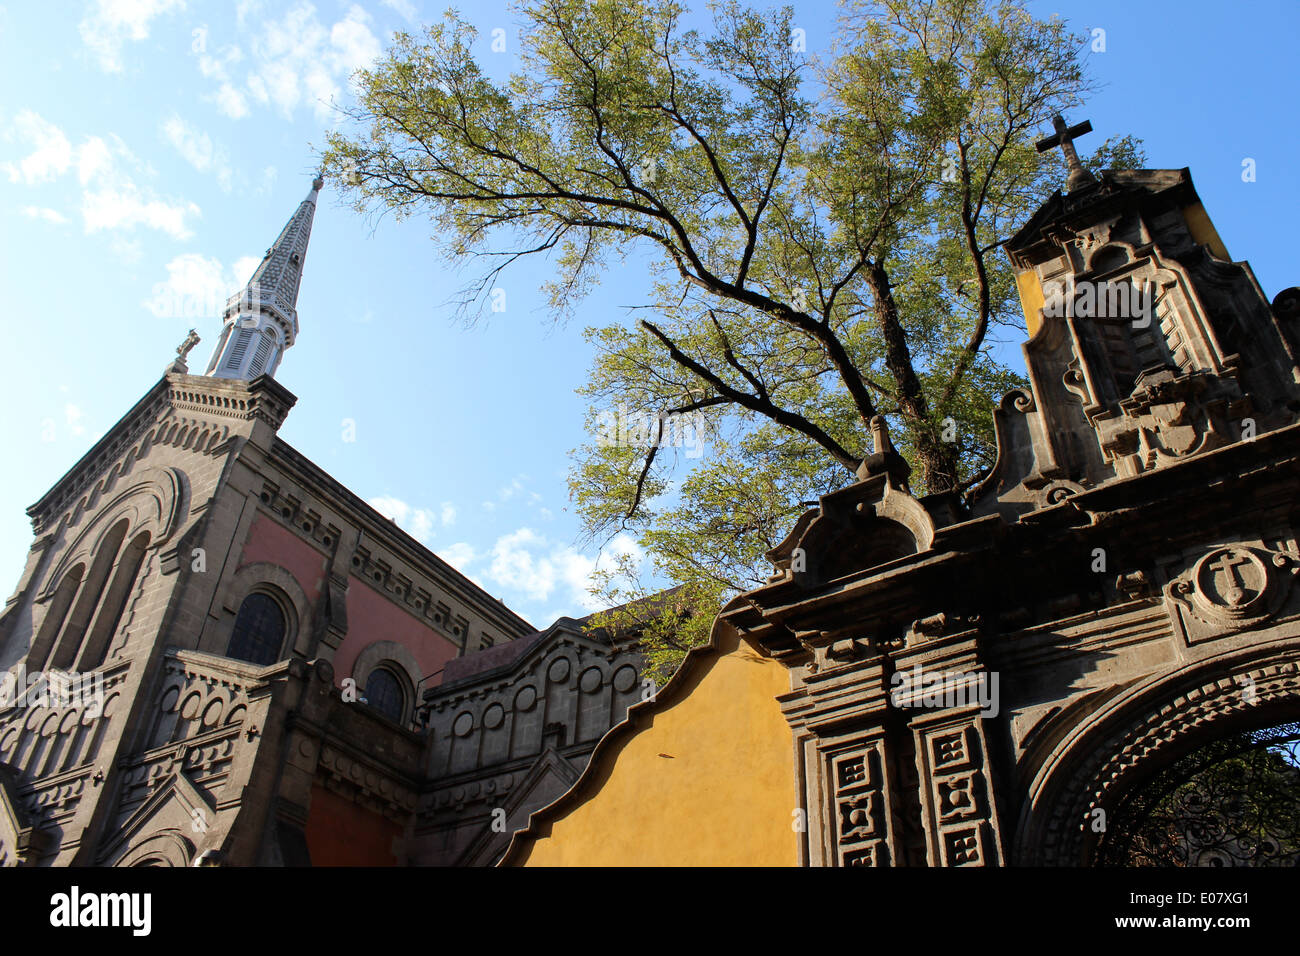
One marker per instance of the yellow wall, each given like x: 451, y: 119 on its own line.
x: 1203, y: 231
x: 1031, y: 299
x: 707, y: 778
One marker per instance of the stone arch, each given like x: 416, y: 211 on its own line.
x: 278, y: 583
x: 166, y: 848
x: 1111, y: 256
x: 156, y: 501
x: 1141, y: 730
x: 398, y: 659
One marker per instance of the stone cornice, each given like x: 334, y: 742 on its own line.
x: 974, y: 562
x: 388, y: 535
x: 263, y: 399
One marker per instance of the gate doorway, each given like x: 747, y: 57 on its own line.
x: 1232, y: 802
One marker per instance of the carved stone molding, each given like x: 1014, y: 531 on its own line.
x: 1062, y: 836
x: 858, y: 811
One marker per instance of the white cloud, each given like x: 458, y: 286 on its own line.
x: 448, y: 513
x: 458, y: 555
x: 196, y: 148
x: 417, y: 522
x: 354, y: 46
x: 42, y: 212
x: 128, y: 250
x: 509, y: 491
x: 197, y: 286
x: 74, y: 415
x: 526, y: 563
x: 404, y: 8
x: 294, y: 61
x: 94, y: 160
x: 51, y: 154
x: 125, y: 208
x: 110, y: 199
x: 231, y: 102
x: 109, y: 24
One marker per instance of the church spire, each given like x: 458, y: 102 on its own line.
x: 261, y: 321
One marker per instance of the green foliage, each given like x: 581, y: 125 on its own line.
x: 824, y: 236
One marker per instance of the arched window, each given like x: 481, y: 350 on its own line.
x: 262, y: 357
x: 259, y: 631
x: 89, y: 598
x: 60, y: 605
x: 384, y: 694
x: 95, y: 647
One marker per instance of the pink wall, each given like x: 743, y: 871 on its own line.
x: 268, y: 540
x: 373, y: 617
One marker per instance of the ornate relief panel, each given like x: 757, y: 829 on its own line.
x: 859, y: 814
x: 960, y: 819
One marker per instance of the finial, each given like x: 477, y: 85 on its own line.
x: 880, y: 435
x: 1064, y: 137
x: 319, y: 182
x: 884, y: 459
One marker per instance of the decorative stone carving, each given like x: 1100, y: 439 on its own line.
x: 960, y: 819
x: 1231, y: 588
x: 858, y: 805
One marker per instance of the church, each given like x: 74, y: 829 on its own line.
x: 219, y: 655
x: 1021, y: 675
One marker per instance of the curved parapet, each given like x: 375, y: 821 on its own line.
x: 700, y: 774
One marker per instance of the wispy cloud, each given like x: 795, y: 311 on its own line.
x: 531, y: 567
x: 296, y: 60
x: 197, y: 149
x: 197, y: 286
x: 73, y: 415
x: 111, y: 199
x: 109, y: 24
x: 405, y: 9
x: 419, y: 523
x: 51, y: 151
x: 45, y: 214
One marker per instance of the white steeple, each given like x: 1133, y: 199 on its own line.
x: 261, y: 322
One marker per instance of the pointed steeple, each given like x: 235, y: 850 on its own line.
x: 261, y: 321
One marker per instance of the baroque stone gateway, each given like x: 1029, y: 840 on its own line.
x: 1126, y: 574
x: 997, y: 678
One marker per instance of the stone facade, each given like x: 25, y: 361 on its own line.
x: 187, y: 535
x: 980, y: 681
x: 1124, y: 574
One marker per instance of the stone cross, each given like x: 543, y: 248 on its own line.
x: 182, y: 351
x: 1228, y: 564
x: 191, y: 340
x: 1064, y: 137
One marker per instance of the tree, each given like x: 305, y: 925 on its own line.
x: 824, y: 236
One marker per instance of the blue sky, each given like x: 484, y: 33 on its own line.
x: 150, y: 150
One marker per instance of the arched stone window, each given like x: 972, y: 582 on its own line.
x: 259, y: 630
x: 95, y: 647
x: 60, y: 605
x: 385, y: 694
x: 90, y: 598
